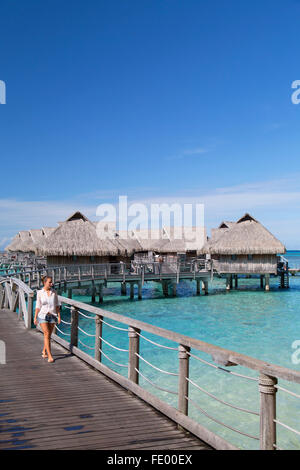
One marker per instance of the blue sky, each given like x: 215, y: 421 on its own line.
x: 172, y: 100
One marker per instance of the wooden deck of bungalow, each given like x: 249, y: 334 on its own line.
x: 69, y: 405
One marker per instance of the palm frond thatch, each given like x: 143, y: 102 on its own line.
x: 22, y: 242
x: 246, y: 236
x: 78, y: 236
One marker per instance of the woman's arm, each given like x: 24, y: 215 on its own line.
x: 37, y: 307
x: 58, y: 314
x: 57, y: 308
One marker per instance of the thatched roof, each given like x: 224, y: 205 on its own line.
x: 218, y: 232
x: 129, y: 240
x: 13, y: 246
x: 37, y: 236
x: 246, y: 236
x: 27, y: 241
x: 78, y: 236
x: 168, y: 240
x: 150, y: 240
x: 21, y: 242
x: 125, y: 240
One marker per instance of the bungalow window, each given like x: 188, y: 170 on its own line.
x: 92, y: 258
x: 233, y: 257
x: 250, y: 257
x: 74, y: 257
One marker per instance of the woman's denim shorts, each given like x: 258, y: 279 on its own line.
x: 49, y: 319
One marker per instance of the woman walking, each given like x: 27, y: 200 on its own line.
x: 47, y: 314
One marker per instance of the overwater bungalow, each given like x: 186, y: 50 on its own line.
x: 244, y: 247
x: 75, y: 241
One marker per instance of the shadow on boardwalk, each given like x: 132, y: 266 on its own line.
x: 68, y: 405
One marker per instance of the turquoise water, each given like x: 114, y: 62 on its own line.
x: 250, y: 321
x: 293, y: 258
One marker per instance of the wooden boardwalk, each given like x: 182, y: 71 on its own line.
x: 69, y: 405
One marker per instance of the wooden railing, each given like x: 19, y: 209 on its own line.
x: 221, y: 360
x: 110, y: 271
x: 17, y: 296
x: 70, y: 334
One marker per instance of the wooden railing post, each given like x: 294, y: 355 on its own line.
x: 143, y: 275
x: 98, y: 336
x: 183, y: 384
x: 15, y: 298
x: 134, y: 349
x: 2, y: 296
x: 267, y: 391
x: 74, y: 327
x: 29, y: 312
x: 20, y: 314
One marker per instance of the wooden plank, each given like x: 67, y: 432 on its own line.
x: 70, y: 405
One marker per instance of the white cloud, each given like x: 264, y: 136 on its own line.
x: 276, y: 203
x: 34, y: 214
x: 195, y: 151
x: 188, y: 153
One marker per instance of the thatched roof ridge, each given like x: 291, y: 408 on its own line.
x: 77, y: 215
x: 48, y: 230
x: 226, y: 224
x: 246, y: 236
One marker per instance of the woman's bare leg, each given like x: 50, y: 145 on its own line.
x: 46, y: 327
x: 51, y: 328
x: 44, y: 352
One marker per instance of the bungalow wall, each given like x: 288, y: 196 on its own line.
x: 75, y: 260
x: 245, y: 264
